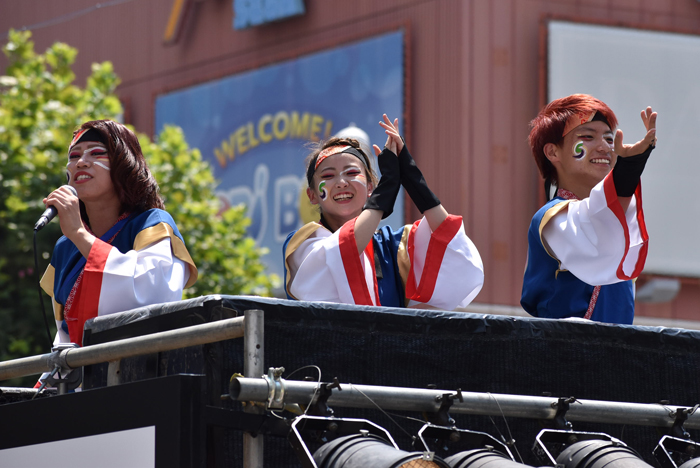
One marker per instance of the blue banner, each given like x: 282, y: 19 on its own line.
x: 254, y: 127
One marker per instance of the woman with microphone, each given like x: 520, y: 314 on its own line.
x: 120, y: 249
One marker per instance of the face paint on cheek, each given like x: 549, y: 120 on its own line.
x: 322, y: 190
x: 97, y: 163
x: 67, y: 177
x: 579, y: 150
x: 359, y: 178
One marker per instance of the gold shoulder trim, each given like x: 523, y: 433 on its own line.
x: 48, y: 279
x: 549, y: 214
x: 300, y: 236
x: 403, y: 259
x: 47, y: 285
x: 161, y: 231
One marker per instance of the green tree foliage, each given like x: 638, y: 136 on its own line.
x: 39, y: 109
x: 40, y: 106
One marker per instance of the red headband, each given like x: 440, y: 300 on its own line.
x: 331, y: 150
x: 577, y: 119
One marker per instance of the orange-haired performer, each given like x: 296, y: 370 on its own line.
x: 587, y: 244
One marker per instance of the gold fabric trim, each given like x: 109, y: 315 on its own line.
x: 161, y: 231
x: 48, y: 279
x: 403, y: 259
x: 300, y: 236
x: 57, y: 310
x: 549, y: 214
x: 47, y: 282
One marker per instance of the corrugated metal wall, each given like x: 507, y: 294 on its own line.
x: 474, y: 80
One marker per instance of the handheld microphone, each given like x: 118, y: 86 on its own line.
x: 51, y: 212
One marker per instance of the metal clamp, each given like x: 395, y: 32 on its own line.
x: 441, y: 417
x: 275, y: 388
x: 562, y: 405
x: 319, y: 403
x: 63, y: 376
x: 681, y: 416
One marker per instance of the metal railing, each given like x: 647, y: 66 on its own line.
x: 114, y: 351
x: 348, y: 395
x: 250, y: 326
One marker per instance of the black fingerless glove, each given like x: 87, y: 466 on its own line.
x: 384, y: 195
x: 627, y: 172
x: 413, y: 181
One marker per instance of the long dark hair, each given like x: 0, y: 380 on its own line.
x: 135, y: 185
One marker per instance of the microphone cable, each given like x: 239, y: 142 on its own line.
x: 41, y: 297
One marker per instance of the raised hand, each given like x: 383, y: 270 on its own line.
x: 622, y: 150
x: 394, y: 143
x: 392, y: 131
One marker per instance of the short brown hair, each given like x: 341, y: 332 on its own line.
x: 548, y: 126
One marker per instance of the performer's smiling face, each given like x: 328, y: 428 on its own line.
x: 340, y: 188
x: 88, y: 171
x: 584, y: 157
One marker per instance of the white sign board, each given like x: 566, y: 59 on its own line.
x: 134, y: 448
x: 630, y: 69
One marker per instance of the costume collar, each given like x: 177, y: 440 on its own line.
x: 565, y: 194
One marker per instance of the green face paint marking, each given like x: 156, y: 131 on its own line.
x: 579, y: 150
x: 322, y: 190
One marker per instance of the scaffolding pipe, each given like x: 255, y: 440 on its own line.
x: 485, y: 404
x: 253, y: 366
x: 120, y: 349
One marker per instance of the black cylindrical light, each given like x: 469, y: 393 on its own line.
x: 479, y: 458
x: 600, y: 454
x: 692, y: 463
x: 367, y: 450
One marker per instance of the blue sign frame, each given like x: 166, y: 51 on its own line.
x: 254, y: 127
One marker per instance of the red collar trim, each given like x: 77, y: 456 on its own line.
x: 563, y: 193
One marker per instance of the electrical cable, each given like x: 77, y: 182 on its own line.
x: 385, y: 413
x: 41, y: 297
x: 318, y: 382
x: 510, y: 434
x: 69, y: 16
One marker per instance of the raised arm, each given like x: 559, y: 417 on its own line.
x: 412, y: 178
x: 603, y: 239
x: 632, y: 159
x: 380, y: 203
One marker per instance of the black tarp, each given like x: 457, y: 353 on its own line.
x: 417, y: 348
